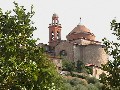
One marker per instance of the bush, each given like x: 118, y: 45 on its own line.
x: 80, y: 87
x: 68, y: 65
x: 92, y: 80
x: 99, y: 85
x: 89, y: 70
x: 79, y: 75
x: 79, y: 84
x: 92, y: 87
x: 74, y: 82
x: 67, y: 86
x: 82, y: 76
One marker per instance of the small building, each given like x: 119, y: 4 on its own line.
x: 96, y: 70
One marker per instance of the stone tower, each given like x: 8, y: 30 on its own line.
x: 54, y: 31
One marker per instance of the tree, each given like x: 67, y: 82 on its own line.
x: 80, y: 66
x: 111, y: 80
x: 23, y: 65
x: 68, y: 65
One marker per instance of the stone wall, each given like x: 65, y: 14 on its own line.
x: 68, y: 47
x: 90, y: 54
x: 57, y: 62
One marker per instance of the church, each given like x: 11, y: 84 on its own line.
x: 80, y: 44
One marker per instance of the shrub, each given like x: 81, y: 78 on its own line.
x: 82, y: 76
x: 92, y: 80
x: 68, y: 65
x: 74, y: 82
x: 67, y: 86
x: 80, y: 87
x: 99, y: 85
x: 92, y: 87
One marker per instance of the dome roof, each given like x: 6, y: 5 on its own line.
x: 80, y: 32
x: 80, y: 29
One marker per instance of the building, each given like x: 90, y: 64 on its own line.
x: 80, y: 44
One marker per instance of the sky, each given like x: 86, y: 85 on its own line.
x: 96, y: 15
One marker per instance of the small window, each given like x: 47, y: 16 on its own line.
x: 52, y: 38
x: 63, y: 53
x: 58, y: 34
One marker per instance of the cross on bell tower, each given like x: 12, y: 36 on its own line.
x: 54, y: 31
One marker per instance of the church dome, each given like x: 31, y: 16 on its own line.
x: 80, y: 32
x: 79, y: 29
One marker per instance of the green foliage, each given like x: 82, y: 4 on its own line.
x: 89, y: 70
x: 92, y: 87
x: 23, y: 65
x: 67, y: 86
x: 81, y: 84
x: 74, y: 81
x: 92, y: 80
x: 111, y: 81
x: 80, y: 87
x: 79, y: 75
x: 75, y: 84
x: 80, y: 66
x: 68, y: 65
x: 99, y: 85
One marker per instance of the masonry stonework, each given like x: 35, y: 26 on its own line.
x: 68, y: 47
x: 90, y: 54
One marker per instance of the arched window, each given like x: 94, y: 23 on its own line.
x: 58, y: 35
x: 63, y: 53
x: 52, y: 38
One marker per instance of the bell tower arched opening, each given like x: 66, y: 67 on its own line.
x: 54, y: 31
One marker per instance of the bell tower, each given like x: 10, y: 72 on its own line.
x: 54, y: 31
